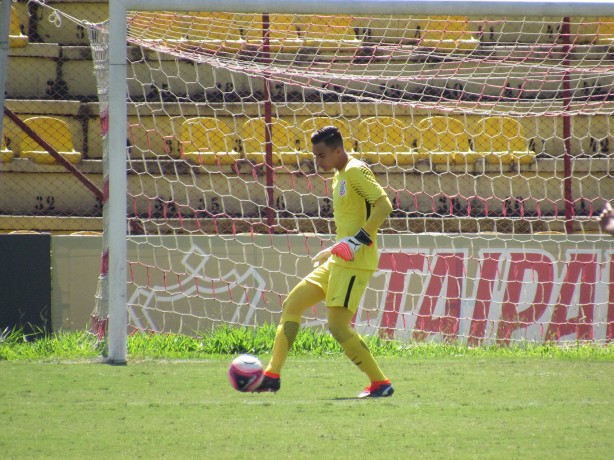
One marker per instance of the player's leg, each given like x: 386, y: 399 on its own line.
x: 308, y: 292
x: 353, y: 345
x: 304, y: 295
x: 346, y: 290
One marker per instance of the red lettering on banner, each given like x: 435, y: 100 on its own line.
x: 581, y: 273
x: 488, y: 274
x: 400, y: 264
x: 448, y: 267
x: 540, y: 270
x: 522, y: 284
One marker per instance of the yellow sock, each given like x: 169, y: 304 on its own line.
x: 284, y: 339
x: 352, y: 343
x: 356, y: 349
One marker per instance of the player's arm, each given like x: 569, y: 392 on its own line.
x: 380, y: 210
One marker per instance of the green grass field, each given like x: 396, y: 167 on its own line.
x: 450, y: 402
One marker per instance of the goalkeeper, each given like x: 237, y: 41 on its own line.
x: 341, y: 272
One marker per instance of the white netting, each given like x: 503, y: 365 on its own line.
x: 491, y: 136
x: 486, y: 66
x: 99, y: 43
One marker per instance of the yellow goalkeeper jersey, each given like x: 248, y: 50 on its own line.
x: 355, y: 189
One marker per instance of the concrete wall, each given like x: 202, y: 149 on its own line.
x: 477, y: 289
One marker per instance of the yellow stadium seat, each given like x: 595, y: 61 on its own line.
x: 56, y: 133
x: 214, y: 31
x: 407, y: 156
x: 286, y: 140
x: 16, y: 38
x: 283, y: 34
x: 444, y: 141
x: 381, y: 139
x: 447, y: 33
x: 290, y: 33
x: 207, y: 141
x: 144, y: 25
x: 6, y: 154
x: 177, y: 26
x: 311, y: 125
x: 234, y: 31
x: 605, y: 31
x: 216, y: 26
x: 501, y: 140
x: 327, y: 32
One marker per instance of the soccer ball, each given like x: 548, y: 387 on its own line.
x: 245, y: 373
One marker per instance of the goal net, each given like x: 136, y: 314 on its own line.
x: 491, y: 136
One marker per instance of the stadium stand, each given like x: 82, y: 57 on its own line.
x: 286, y: 140
x: 6, y: 154
x: 231, y: 32
x: 49, y: 29
x: 46, y: 79
x: 17, y: 38
x: 448, y: 34
x: 57, y: 133
x: 311, y: 125
x: 381, y: 139
x: 208, y: 141
x: 206, y: 30
x: 444, y: 141
x: 605, y: 31
x: 282, y: 32
x: 501, y: 140
x: 328, y: 34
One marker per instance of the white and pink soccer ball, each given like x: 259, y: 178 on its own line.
x: 245, y: 373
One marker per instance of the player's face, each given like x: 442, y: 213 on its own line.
x: 326, y: 157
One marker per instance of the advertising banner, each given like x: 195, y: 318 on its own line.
x: 476, y: 289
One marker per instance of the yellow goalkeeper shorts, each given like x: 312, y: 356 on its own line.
x: 343, y: 286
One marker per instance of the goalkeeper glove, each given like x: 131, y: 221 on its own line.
x: 347, y: 247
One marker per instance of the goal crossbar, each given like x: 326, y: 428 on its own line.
x: 380, y: 7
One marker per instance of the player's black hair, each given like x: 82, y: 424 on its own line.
x: 330, y: 135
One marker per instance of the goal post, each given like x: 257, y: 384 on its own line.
x: 116, y: 205
x: 431, y: 81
